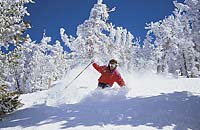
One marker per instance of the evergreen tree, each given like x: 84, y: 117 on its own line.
x: 12, y: 26
x: 8, y: 101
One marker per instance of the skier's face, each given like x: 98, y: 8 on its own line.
x: 112, y: 66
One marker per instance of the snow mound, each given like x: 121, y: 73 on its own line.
x: 105, y: 95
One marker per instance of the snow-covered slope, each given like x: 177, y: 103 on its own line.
x: 150, y: 103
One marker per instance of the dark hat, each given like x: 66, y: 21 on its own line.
x: 112, y: 61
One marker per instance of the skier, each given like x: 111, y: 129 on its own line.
x: 109, y: 74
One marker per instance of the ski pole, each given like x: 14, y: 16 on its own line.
x: 78, y: 75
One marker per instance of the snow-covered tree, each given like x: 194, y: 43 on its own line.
x: 193, y: 16
x: 164, y: 32
x: 8, y: 101
x: 12, y: 24
x: 148, y: 54
x: 8, y: 98
x: 41, y: 63
x: 92, y: 41
x: 58, y: 62
x: 3, y: 68
x: 173, y: 38
x: 100, y: 40
x: 135, y: 61
x: 124, y: 46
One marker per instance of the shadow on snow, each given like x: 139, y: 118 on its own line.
x: 178, y: 108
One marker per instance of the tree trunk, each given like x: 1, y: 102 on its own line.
x: 18, y: 85
x: 185, y: 66
x: 158, y: 67
x: 49, y: 83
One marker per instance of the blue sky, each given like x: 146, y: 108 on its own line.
x: 51, y: 15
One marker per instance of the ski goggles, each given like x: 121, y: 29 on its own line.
x: 113, y: 65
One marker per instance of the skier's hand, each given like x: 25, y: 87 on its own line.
x: 92, y: 60
x: 124, y: 86
x: 124, y: 90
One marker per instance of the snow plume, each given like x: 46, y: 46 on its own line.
x: 84, y: 88
x: 61, y: 93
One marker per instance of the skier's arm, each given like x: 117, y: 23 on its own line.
x: 97, y: 67
x: 120, y: 81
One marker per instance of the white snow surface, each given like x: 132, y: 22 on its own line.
x: 149, y: 102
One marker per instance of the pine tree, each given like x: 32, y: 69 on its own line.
x: 8, y: 101
x: 12, y: 26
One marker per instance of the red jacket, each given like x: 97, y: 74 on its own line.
x: 107, y: 76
